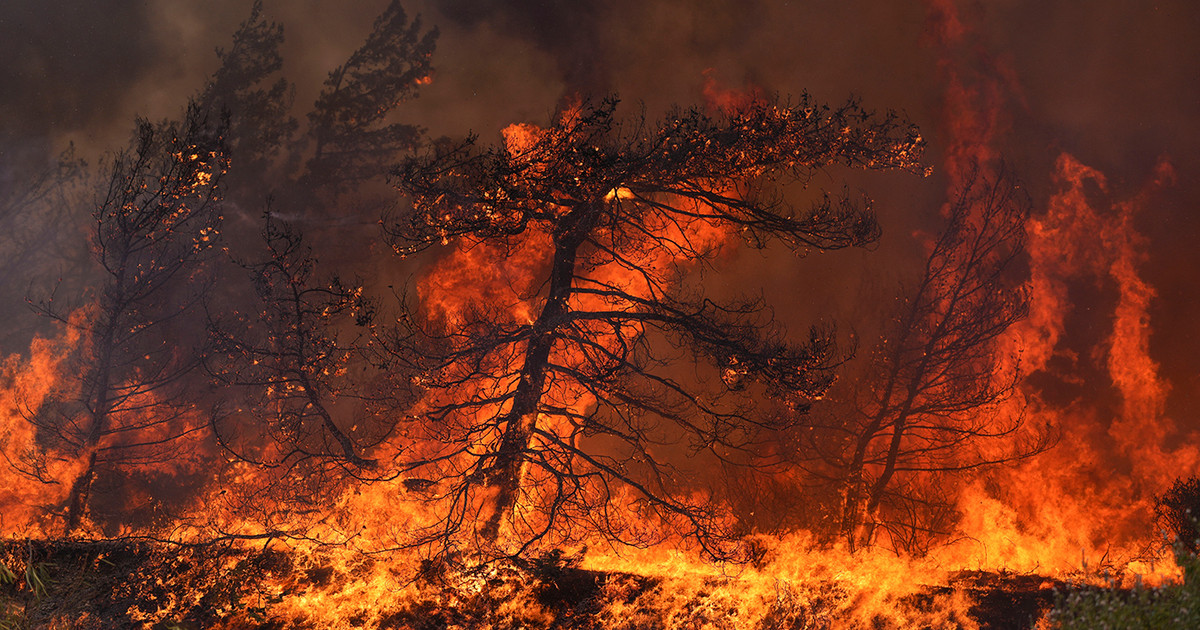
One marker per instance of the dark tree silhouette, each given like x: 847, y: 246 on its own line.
x: 299, y: 355
x: 1177, y: 511
x: 154, y: 226
x: 932, y: 401
x: 128, y: 398
x: 37, y: 233
x: 293, y: 355
x: 352, y: 138
x: 248, y: 90
x: 30, y: 194
x: 554, y: 420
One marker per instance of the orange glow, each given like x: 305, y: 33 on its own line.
x: 1081, y: 510
x: 28, y: 384
x: 722, y: 99
x: 501, y: 281
x: 1087, y: 503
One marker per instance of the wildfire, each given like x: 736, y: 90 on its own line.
x: 28, y: 384
x: 1071, y: 509
x: 1085, y: 506
x: 571, y: 400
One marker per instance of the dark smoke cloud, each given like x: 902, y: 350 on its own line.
x: 588, y: 39
x: 568, y: 31
x: 66, y: 64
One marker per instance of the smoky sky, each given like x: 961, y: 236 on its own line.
x: 583, y: 37
x: 63, y: 61
x: 1110, y: 81
x: 565, y: 31
x: 1110, y: 77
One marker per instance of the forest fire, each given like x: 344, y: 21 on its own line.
x: 540, y: 389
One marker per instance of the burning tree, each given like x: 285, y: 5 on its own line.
x: 128, y: 397
x: 154, y: 226
x: 933, y: 400
x: 550, y: 410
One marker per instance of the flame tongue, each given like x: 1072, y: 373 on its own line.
x: 1089, y: 498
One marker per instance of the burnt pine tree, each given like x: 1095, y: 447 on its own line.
x: 932, y: 403
x: 551, y: 423
x: 154, y: 225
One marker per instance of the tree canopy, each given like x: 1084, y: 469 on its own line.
x: 547, y: 407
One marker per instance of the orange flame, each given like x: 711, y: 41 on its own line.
x: 1086, y: 504
x: 35, y: 476
x: 1089, y: 500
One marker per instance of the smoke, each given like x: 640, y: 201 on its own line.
x: 1110, y: 82
x: 67, y: 64
x: 570, y: 33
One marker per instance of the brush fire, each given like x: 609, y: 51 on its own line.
x: 728, y: 354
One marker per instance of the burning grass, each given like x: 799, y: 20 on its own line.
x: 138, y: 584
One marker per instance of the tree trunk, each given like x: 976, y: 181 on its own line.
x: 81, y: 490
x: 506, y: 471
x: 855, y: 529
x: 852, y: 506
x: 99, y: 405
x: 347, y: 445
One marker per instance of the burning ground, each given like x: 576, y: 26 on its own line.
x: 716, y: 352
x: 125, y: 584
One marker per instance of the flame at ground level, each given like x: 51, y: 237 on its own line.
x: 136, y: 585
x: 1089, y: 501
x: 1082, y: 510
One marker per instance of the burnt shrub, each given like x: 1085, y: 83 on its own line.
x: 1177, y: 510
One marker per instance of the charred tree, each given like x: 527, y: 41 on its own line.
x: 297, y: 361
x: 546, y: 417
x: 932, y: 403
x: 155, y: 225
